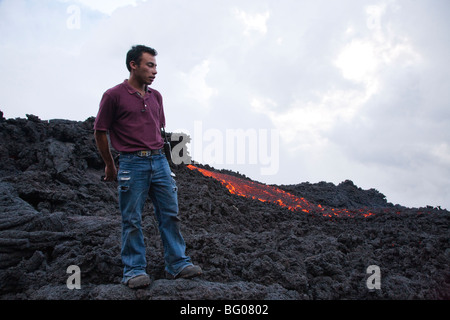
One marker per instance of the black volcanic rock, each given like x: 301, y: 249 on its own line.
x: 55, y: 212
x: 344, y: 195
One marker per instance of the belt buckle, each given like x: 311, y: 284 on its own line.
x: 144, y: 153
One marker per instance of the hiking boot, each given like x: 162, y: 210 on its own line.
x: 190, y: 271
x: 140, y: 281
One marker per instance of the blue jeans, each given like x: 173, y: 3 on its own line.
x: 138, y: 178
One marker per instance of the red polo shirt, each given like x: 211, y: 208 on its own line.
x: 134, y: 122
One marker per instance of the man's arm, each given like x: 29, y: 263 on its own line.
x: 101, y: 140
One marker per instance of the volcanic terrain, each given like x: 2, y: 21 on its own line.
x: 253, y: 241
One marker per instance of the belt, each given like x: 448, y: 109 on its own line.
x: 145, y: 153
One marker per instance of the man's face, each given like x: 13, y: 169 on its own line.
x: 146, y: 70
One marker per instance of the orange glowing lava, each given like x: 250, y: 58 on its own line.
x: 265, y: 193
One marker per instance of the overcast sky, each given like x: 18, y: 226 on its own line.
x: 328, y: 90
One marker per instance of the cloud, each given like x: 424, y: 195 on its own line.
x: 368, y: 125
x: 253, y: 22
x: 195, y: 84
x: 104, y: 6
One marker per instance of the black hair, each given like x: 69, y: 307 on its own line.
x: 135, y: 54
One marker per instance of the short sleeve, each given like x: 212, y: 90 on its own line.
x: 105, y: 116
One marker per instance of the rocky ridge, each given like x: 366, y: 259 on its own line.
x: 55, y: 212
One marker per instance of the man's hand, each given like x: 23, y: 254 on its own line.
x: 110, y: 173
x: 101, y: 140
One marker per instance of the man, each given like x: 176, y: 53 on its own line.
x: 133, y: 115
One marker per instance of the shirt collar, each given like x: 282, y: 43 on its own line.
x: 132, y: 90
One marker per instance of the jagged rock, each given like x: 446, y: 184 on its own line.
x: 55, y: 212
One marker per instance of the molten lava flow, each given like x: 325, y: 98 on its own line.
x: 265, y: 193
